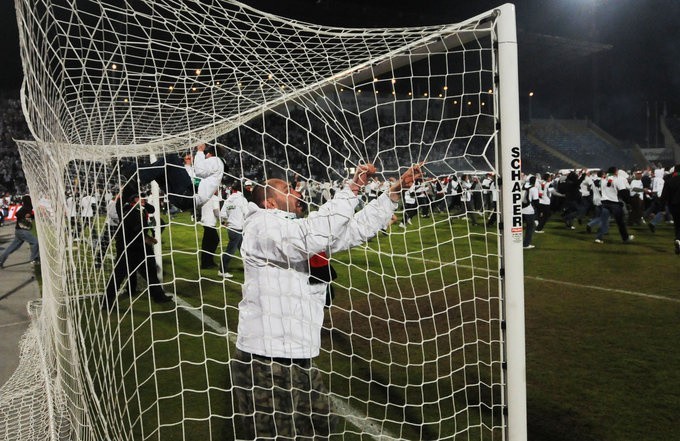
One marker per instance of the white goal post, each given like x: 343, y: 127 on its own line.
x: 424, y: 336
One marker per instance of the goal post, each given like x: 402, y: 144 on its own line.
x: 424, y: 337
x: 513, y: 277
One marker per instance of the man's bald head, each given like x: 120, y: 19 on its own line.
x: 267, y: 191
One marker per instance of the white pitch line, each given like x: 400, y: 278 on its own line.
x: 600, y: 288
x: 360, y: 421
x: 559, y: 282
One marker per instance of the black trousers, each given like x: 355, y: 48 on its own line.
x: 131, y: 260
x: 209, y: 246
x: 675, y: 212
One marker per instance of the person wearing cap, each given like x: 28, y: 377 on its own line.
x: 134, y: 250
x: 610, y: 186
x: 279, y: 392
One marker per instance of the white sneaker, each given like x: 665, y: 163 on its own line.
x: 529, y: 247
x: 225, y: 274
x: 599, y: 241
x: 539, y: 231
x: 630, y: 239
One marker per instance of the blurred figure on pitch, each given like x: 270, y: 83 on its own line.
x: 410, y: 203
x: 232, y: 215
x: 110, y: 225
x: 88, y: 208
x: 23, y: 233
x: 637, y: 195
x: 658, y: 208
x: 545, y: 190
x: 610, y: 186
x: 671, y: 197
x: 529, y: 207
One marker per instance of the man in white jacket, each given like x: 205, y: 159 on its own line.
x: 281, y: 314
x: 232, y: 215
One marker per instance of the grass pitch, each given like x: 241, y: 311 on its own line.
x: 600, y: 322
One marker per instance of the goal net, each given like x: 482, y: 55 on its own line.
x: 119, y: 95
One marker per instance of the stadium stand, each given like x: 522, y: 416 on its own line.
x: 12, y: 126
x: 581, y: 142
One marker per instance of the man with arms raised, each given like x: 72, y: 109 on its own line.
x: 281, y: 314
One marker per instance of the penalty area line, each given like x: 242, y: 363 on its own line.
x: 543, y: 279
x: 346, y: 411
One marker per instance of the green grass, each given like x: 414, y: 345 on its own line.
x: 600, y: 362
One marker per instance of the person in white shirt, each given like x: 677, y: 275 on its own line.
x: 209, y: 169
x: 596, y: 220
x: 410, y: 205
x: 281, y: 314
x: 110, y: 225
x: 88, y: 207
x: 232, y: 216
x: 545, y: 191
x: 72, y: 214
x: 493, y: 200
x: 453, y: 202
x: 468, y: 186
x: 610, y: 186
x: 637, y: 195
x: 658, y: 206
x: 529, y: 204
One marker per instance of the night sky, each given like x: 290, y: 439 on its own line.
x: 615, y: 87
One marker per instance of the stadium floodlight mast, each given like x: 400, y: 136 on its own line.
x: 425, y: 335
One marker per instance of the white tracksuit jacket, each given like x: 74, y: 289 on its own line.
x: 210, y: 171
x: 281, y: 314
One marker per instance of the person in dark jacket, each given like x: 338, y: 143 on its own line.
x: 134, y: 248
x: 671, y: 196
x: 572, y: 197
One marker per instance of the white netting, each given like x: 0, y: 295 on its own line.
x: 116, y: 92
